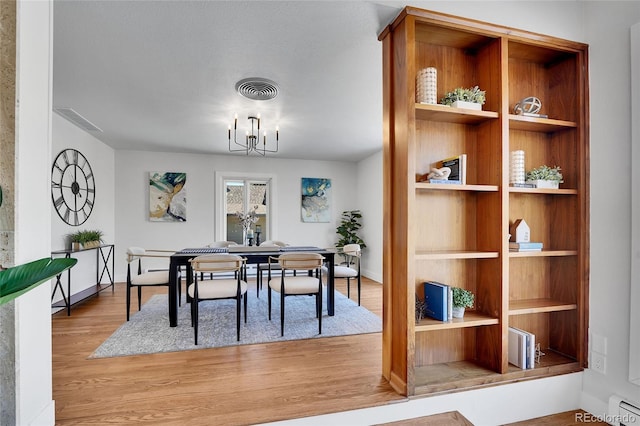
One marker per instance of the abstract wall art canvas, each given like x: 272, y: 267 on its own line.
x: 316, y: 200
x: 167, y: 197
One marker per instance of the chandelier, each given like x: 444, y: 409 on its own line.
x: 252, y: 141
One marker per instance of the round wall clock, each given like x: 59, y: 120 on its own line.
x: 73, y: 188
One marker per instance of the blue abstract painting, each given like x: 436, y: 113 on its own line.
x: 316, y: 200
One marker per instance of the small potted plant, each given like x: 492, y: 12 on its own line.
x: 461, y: 299
x: 471, y: 98
x: 545, y: 177
x: 86, y: 239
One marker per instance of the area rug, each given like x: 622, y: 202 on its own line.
x: 148, y: 330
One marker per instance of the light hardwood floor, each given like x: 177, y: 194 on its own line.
x: 246, y: 384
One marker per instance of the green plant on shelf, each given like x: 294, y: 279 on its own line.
x: 545, y: 173
x: 87, y: 238
x: 462, y: 298
x: 472, y: 94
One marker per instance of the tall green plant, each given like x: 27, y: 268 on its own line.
x: 349, y: 225
x: 16, y: 281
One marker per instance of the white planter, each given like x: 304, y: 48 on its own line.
x: 467, y: 105
x: 548, y: 184
x: 457, y: 312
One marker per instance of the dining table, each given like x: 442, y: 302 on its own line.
x: 180, y: 261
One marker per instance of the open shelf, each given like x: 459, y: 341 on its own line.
x: 471, y: 319
x: 455, y: 187
x: 82, y: 295
x: 453, y: 254
x: 533, y: 306
x: 543, y: 253
x: 464, y: 375
x: 447, y: 114
x: 535, y: 124
x: 543, y: 191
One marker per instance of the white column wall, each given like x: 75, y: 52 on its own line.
x: 34, y: 402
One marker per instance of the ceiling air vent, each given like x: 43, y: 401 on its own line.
x: 77, y: 119
x: 258, y: 89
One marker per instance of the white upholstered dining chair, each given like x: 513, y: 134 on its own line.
x: 299, y: 285
x: 140, y: 279
x: 220, y: 286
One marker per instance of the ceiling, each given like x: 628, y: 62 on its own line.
x: 161, y: 75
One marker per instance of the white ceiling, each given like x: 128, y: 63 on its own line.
x: 160, y: 75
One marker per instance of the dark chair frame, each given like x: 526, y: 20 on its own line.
x: 292, y: 261
x: 132, y: 257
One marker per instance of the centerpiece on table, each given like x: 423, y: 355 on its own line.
x: 246, y: 221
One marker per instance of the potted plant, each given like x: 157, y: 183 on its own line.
x: 545, y: 177
x: 471, y: 98
x: 85, y: 239
x: 461, y: 299
x: 349, y: 225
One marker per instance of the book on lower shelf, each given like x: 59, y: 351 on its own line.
x: 528, y: 246
x: 458, y: 166
x: 436, y: 300
x: 454, y: 182
x: 522, y: 348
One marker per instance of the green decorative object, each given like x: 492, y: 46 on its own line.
x: 545, y: 173
x: 20, y: 279
x: 86, y: 238
x: 462, y: 298
x: 349, y: 225
x: 472, y: 94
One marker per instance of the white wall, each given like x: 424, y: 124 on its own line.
x: 133, y: 227
x: 101, y: 158
x: 34, y: 402
x: 369, y: 195
x: 608, y: 28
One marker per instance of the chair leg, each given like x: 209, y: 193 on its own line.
x: 245, y: 307
x: 269, y: 297
x: 359, y: 286
x: 320, y: 311
x: 282, y: 313
x: 258, y: 280
x: 238, y: 318
x: 128, y: 300
x: 195, y: 326
x: 139, y: 297
x: 348, y: 288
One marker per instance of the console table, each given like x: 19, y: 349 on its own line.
x: 105, y: 263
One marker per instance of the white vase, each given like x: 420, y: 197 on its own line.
x: 467, y: 105
x: 457, y: 312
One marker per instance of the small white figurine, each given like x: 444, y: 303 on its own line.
x: 441, y: 173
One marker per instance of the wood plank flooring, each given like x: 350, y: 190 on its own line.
x: 227, y: 386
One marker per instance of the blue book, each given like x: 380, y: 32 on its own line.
x: 436, y: 300
x: 449, y: 181
x: 529, y: 246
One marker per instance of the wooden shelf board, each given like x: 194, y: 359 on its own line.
x: 82, y: 295
x: 465, y: 375
x: 533, y: 306
x: 471, y: 319
x: 447, y: 114
x: 456, y: 187
x: 543, y: 191
x: 451, y: 254
x: 534, y: 124
x: 543, y: 253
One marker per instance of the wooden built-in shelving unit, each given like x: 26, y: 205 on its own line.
x: 458, y: 234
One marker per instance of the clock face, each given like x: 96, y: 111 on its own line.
x: 73, y: 188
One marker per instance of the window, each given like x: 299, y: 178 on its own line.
x: 240, y: 192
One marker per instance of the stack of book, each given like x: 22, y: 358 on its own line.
x: 522, y: 348
x: 529, y: 246
x: 438, y: 301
